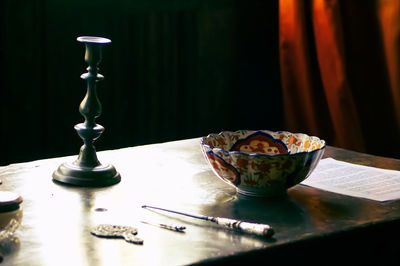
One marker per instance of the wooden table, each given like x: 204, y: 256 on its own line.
x: 311, y: 225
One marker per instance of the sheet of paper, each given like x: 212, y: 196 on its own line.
x: 355, y: 180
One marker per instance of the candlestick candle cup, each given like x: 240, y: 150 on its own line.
x: 87, y: 170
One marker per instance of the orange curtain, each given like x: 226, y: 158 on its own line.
x: 340, y: 69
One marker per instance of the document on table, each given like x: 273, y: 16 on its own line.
x: 355, y: 180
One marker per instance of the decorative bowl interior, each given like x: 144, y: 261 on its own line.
x: 262, y: 163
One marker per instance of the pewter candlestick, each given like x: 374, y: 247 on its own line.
x: 87, y: 170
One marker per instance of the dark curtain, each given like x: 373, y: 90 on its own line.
x: 339, y: 63
x: 175, y: 69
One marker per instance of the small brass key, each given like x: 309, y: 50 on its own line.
x: 128, y: 233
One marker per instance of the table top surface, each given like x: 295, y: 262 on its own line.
x: 57, y: 220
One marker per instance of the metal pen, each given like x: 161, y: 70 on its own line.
x: 263, y: 230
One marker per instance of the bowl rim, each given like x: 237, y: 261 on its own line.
x: 203, y: 139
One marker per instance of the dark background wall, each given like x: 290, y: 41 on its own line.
x: 175, y: 69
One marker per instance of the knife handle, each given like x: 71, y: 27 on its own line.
x: 263, y: 230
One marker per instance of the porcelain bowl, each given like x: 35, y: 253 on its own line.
x: 262, y: 163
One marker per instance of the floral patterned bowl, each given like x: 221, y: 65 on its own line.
x: 262, y: 163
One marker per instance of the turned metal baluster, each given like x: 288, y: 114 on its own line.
x: 87, y: 170
x: 90, y: 107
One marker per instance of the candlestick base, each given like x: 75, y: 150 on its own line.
x: 99, y: 176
